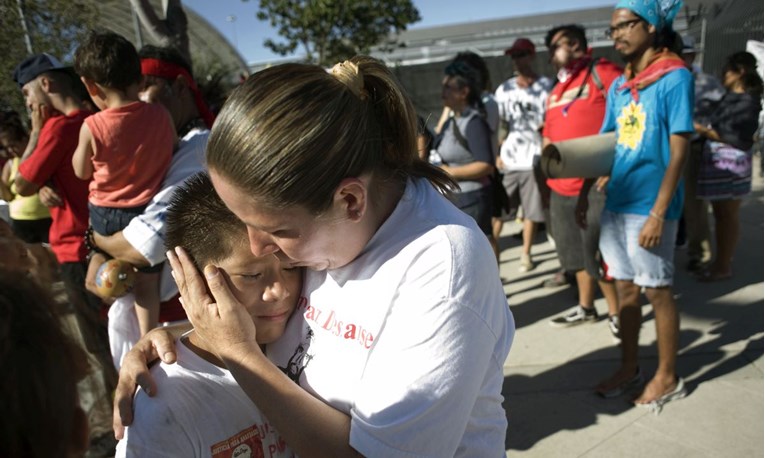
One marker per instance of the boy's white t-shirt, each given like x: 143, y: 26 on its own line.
x: 411, y: 337
x: 198, y: 411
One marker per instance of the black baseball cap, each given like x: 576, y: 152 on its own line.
x: 34, y: 65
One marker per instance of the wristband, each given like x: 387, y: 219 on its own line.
x: 655, y: 215
x: 90, y: 245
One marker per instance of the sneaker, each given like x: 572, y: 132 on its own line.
x: 526, y: 263
x: 577, y: 316
x: 613, y: 326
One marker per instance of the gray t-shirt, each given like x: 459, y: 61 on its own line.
x: 476, y: 132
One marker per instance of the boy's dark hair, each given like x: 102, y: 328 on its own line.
x: 108, y: 59
x: 40, y: 367
x: 574, y: 32
x: 165, y: 54
x: 198, y: 221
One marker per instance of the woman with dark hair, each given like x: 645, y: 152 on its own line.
x: 465, y: 146
x: 726, y: 169
x: 29, y: 217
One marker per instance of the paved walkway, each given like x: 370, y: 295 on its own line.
x: 550, y: 372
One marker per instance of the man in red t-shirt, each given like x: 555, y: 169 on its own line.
x: 575, y: 108
x: 57, y: 115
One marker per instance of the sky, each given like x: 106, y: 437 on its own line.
x: 236, y: 20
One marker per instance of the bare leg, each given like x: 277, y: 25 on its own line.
x: 696, y: 210
x: 529, y: 230
x: 586, y: 285
x: 496, y: 229
x: 629, y: 321
x: 726, y: 235
x: 608, y: 288
x: 667, y: 333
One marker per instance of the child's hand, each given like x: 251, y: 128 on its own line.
x: 157, y: 344
x: 221, y: 321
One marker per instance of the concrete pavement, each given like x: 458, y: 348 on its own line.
x: 550, y: 373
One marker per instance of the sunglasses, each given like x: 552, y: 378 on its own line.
x: 621, y: 27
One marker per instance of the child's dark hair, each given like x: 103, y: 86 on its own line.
x: 574, y: 32
x: 11, y: 125
x: 198, y: 221
x: 40, y: 367
x: 109, y: 60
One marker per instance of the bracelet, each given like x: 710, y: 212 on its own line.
x: 90, y: 245
x: 655, y: 215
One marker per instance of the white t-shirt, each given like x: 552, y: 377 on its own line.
x: 523, y: 109
x: 198, y: 411
x: 411, y: 337
x: 146, y: 233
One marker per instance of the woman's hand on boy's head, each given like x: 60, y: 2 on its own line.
x: 221, y: 320
x: 156, y: 344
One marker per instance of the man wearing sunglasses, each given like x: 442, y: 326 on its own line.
x: 521, y: 101
x: 650, y: 108
x: 575, y: 108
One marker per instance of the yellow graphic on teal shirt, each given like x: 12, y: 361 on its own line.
x: 631, y: 125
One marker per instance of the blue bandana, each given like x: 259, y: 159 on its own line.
x: 658, y: 13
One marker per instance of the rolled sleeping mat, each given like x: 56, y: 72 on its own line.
x: 584, y: 157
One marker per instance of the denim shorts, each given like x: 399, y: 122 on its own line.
x: 651, y: 268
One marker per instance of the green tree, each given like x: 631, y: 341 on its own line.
x: 54, y: 26
x: 333, y: 30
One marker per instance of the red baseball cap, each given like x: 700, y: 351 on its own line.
x: 521, y: 46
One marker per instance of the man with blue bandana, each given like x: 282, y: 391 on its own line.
x: 650, y: 108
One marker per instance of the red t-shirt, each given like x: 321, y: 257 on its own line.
x: 567, y: 117
x: 52, y: 161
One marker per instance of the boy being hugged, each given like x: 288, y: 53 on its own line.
x: 124, y: 150
x: 199, y: 409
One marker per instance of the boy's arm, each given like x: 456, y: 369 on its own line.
x: 82, y: 159
x: 147, y: 300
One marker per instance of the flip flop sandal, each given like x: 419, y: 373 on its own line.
x: 655, y: 406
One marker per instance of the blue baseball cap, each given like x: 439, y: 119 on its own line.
x: 33, y: 66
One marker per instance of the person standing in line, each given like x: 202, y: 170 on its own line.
x: 168, y: 81
x: 48, y: 89
x: 725, y: 176
x: 708, y: 91
x: 521, y: 101
x: 29, y: 217
x: 575, y: 108
x: 465, y: 146
x: 650, y: 108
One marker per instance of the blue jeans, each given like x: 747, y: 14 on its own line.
x: 627, y: 260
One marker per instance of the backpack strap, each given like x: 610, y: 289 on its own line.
x: 596, y: 78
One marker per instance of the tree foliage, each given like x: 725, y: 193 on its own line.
x: 333, y: 30
x: 55, y: 27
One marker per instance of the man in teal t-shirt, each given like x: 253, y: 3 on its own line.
x: 650, y: 108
